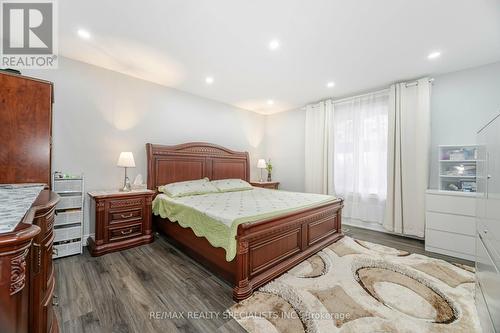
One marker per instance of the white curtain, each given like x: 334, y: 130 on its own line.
x: 319, y: 148
x: 360, y: 130
x: 408, y: 157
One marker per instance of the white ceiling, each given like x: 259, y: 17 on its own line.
x: 359, y: 44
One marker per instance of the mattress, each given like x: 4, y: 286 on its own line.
x: 216, y: 216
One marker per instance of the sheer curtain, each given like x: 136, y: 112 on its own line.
x: 319, y: 148
x: 360, y: 131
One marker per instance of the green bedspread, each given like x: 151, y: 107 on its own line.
x: 216, y: 216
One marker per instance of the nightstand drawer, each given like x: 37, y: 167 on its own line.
x: 126, y: 202
x: 268, y: 185
x: 125, y: 216
x: 120, y: 233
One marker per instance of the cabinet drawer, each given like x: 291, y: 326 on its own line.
x: 454, y: 243
x: 483, y: 312
x: 451, y: 204
x: 126, y: 203
x: 459, y: 224
x: 69, y: 201
x: 120, y: 233
x: 69, y: 217
x: 489, y: 279
x: 489, y: 240
x: 67, y: 233
x: 125, y: 215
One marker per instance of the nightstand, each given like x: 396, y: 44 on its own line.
x: 122, y: 220
x: 269, y: 185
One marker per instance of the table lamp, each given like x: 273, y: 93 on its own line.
x: 126, y: 160
x: 261, y: 164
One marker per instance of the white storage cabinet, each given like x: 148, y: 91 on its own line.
x: 68, y: 226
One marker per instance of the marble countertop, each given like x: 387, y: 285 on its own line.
x: 117, y: 192
x: 15, y: 200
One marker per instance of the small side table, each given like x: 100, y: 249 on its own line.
x: 269, y: 185
x: 122, y: 220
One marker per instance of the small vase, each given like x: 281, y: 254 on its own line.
x: 269, y: 177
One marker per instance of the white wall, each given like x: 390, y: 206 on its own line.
x: 462, y: 102
x: 285, y: 147
x: 99, y: 113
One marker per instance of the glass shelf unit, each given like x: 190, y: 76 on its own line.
x: 457, y: 168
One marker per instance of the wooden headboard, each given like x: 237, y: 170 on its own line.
x: 194, y: 160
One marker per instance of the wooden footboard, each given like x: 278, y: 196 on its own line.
x: 269, y: 248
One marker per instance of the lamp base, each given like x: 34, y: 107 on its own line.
x: 126, y: 185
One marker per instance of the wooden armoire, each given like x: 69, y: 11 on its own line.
x: 26, y: 134
x: 27, y: 275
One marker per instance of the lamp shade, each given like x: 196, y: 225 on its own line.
x: 261, y: 164
x: 126, y: 160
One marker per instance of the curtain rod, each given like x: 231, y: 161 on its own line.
x: 415, y: 83
x: 345, y: 99
x: 348, y: 98
x: 408, y: 84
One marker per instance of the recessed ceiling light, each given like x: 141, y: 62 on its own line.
x: 83, y: 34
x: 274, y: 44
x: 434, y: 55
x: 209, y: 80
x: 330, y: 84
x: 270, y: 102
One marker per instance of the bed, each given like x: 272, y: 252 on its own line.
x: 265, y: 247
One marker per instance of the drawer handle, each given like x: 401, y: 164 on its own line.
x: 123, y: 216
x: 129, y: 231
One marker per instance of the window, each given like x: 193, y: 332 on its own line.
x: 360, y: 128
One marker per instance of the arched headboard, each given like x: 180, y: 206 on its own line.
x: 194, y: 160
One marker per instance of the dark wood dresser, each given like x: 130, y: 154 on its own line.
x: 15, y: 258
x: 122, y: 220
x: 42, y: 277
x: 27, y: 280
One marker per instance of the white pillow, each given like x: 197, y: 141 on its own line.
x: 190, y: 187
x: 231, y: 185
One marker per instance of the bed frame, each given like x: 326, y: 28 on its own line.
x: 266, y: 249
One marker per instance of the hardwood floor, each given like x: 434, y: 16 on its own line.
x: 402, y: 243
x: 118, y: 292
x: 155, y: 288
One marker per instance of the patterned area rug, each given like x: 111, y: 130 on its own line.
x: 356, y: 286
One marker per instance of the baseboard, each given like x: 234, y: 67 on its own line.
x: 376, y: 227
x: 369, y: 226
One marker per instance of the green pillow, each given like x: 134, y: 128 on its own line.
x: 231, y: 185
x: 190, y: 187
